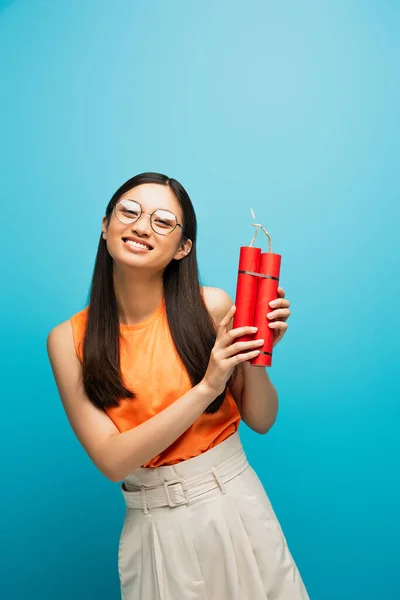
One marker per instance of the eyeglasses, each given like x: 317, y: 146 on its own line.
x: 162, y: 221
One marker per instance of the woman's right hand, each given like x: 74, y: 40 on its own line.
x: 225, y: 354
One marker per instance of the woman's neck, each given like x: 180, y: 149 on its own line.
x: 138, y: 297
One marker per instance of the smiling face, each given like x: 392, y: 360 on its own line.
x: 164, y: 248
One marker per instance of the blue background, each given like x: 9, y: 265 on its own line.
x: 290, y: 108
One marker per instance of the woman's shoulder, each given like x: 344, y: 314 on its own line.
x: 217, y: 301
x: 71, y: 329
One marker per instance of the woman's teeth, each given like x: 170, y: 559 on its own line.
x: 137, y: 245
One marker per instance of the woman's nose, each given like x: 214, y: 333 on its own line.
x: 142, y: 224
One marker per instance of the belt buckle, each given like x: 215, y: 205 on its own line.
x: 173, y: 482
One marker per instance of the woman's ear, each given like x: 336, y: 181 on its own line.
x: 104, y: 227
x: 183, y: 250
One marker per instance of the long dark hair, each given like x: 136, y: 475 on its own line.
x: 192, y: 328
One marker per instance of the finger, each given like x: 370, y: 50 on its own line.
x: 228, y: 317
x: 279, y: 302
x: 239, y: 331
x: 278, y: 325
x: 242, y: 346
x: 239, y: 358
x: 282, y: 312
x: 281, y: 292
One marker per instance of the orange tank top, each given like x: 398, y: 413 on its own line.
x: 152, y: 368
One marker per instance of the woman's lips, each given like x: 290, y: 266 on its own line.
x: 136, y: 249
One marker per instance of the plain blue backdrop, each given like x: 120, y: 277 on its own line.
x: 290, y: 108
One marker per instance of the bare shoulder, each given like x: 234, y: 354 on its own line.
x: 59, y: 339
x: 64, y: 362
x: 91, y: 425
x: 218, y: 303
x: 62, y: 330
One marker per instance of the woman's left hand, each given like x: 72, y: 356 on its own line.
x: 280, y: 310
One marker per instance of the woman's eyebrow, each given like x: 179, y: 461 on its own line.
x: 158, y: 208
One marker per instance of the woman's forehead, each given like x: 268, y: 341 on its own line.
x: 152, y: 196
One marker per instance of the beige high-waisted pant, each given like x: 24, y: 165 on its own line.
x: 211, y: 535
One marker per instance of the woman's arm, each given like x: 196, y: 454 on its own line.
x: 254, y: 393
x: 116, y: 454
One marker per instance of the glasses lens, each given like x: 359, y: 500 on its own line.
x: 127, y: 211
x: 163, y: 221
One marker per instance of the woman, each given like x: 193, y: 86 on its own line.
x: 154, y: 386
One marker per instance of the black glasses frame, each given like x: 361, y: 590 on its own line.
x: 151, y: 217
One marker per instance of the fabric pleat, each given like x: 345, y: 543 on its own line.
x: 219, y: 546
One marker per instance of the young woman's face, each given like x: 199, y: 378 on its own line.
x: 164, y: 248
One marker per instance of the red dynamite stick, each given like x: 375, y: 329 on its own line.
x: 246, y: 290
x: 270, y: 265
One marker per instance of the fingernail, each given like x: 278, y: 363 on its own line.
x: 272, y: 303
x: 254, y: 329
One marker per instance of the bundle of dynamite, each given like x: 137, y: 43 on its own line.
x: 257, y: 285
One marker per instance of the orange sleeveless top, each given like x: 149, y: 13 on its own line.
x: 152, y: 368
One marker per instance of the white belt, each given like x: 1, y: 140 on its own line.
x: 166, y: 495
